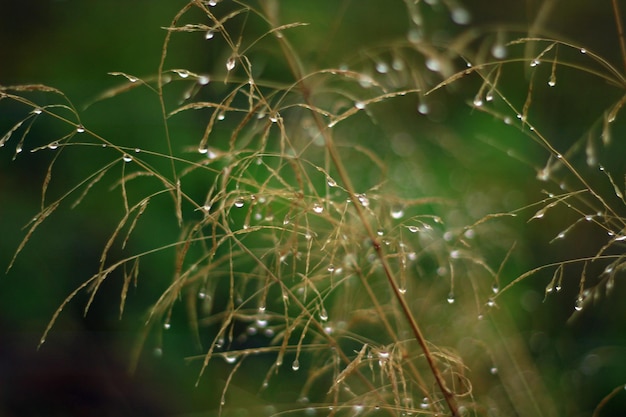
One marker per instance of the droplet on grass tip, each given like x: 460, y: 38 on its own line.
x: 578, y: 306
x: 167, y: 325
x: 493, y: 370
x: 209, y: 35
x: 323, y: 314
x: 230, y: 64
x: 203, y: 79
x: 450, y: 298
x: 295, y: 365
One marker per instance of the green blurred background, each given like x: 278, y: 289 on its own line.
x: 82, y: 369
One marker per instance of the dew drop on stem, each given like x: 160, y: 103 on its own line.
x: 318, y: 208
x: 127, y: 158
x: 323, y: 314
x: 239, y: 203
x: 80, y: 129
x: 578, y: 306
x: 451, y: 298
x: 230, y: 64
x: 53, y: 145
x: 295, y: 365
x: 209, y: 35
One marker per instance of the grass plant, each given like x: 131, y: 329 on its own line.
x: 331, y: 245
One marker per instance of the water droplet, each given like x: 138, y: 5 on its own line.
x: 451, y: 298
x: 495, y: 288
x: 127, y: 158
x: 261, y: 322
x: 534, y: 62
x: 382, y: 67
x: 402, y: 290
x: 230, y: 359
x: 493, y: 370
x: 359, y: 105
x: 552, y: 82
x: 230, y: 64
x: 413, y: 229
x: 80, y: 129
x: 203, y: 79
x: 201, y: 294
x: 583, y: 51
x: 158, y: 352
x: 37, y: 111
x: 455, y: 254
x: 318, y: 208
x: 491, y: 302
x: 396, y: 212
x: 182, y: 73
x: 323, y: 314
x: 274, y: 118
x: 578, y: 306
x: 478, y: 101
x: 423, y: 108
x: 461, y: 16
x: 295, y: 365
x: 209, y: 35
x: 331, y: 268
x: 498, y: 51
x: 167, y: 325
x: 53, y: 145
x: 365, y: 81
x: 365, y: 202
x: 433, y: 64
x: 425, y: 404
x: 239, y: 202
x: 203, y: 149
